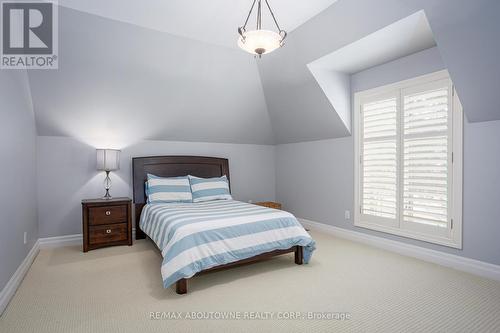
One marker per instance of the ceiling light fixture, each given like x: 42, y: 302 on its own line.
x: 260, y: 41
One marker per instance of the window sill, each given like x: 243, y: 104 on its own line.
x: 450, y: 242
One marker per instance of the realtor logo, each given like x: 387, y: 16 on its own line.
x: 29, y: 35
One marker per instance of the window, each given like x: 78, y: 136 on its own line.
x: 408, y: 168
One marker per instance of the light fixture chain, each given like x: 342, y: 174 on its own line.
x: 249, y: 13
x: 259, y: 15
x: 272, y: 14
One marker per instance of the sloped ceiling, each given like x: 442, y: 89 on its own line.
x: 181, y: 78
x: 120, y: 81
x: 210, y: 21
x: 407, y: 36
x: 466, y: 33
x: 399, y: 39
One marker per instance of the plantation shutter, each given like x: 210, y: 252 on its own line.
x: 408, y: 171
x: 426, y: 151
x: 379, y: 165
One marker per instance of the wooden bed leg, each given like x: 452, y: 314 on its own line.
x: 139, y: 234
x: 299, y: 255
x: 181, y: 287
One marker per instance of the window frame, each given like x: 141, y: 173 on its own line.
x: 453, y: 236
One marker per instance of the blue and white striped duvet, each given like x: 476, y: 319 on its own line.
x: 196, y: 236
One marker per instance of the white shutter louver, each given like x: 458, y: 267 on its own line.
x: 425, y: 157
x: 379, y: 158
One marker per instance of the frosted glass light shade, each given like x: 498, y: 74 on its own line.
x: 260, y: 41
x: 108, y: 159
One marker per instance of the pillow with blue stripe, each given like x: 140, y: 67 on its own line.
x: 164, y: 190
x: 208, y: 189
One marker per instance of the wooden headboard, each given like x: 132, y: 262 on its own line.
x: 171, y: 166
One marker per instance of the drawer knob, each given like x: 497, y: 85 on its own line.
x: 108, y: 231
x: 108, y: 212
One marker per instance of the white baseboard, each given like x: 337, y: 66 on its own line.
x: 10, y: 288
x: 59, y: 241
x: 473, y: 266
x: 42, y: 243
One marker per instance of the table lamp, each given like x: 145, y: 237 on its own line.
x: 108, y: 160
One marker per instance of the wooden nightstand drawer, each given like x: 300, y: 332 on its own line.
x: 107, y: 215
x: 104, y: 234
x: 269, y: 204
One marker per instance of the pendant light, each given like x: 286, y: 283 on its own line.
x: 260, y: 41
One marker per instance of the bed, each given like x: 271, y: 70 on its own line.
x: 195, y: 238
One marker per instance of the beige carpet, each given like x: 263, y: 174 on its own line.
x: 115, y: 289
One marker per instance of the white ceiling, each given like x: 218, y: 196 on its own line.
x: 404, y: 37
x: 211, y: 21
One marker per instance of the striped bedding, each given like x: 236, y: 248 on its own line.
x: 195, y: 236
x: 163, y: 190
x: 208, y: 189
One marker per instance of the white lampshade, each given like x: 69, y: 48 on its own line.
x: 260, y: 41
x: 108, y: 159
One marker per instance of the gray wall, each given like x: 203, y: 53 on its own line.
x: 423, y: 62
x: 66, y: 175
x: 314, y: 180
x: 17, y: 167
x: 325, y: 197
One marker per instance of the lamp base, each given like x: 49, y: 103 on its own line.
x: 107, y: 196
x: 107, y: 186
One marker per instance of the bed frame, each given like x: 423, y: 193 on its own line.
x: 174, y: 166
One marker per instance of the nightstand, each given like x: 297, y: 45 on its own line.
x: 106, y: 222
x: 269, y: 204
